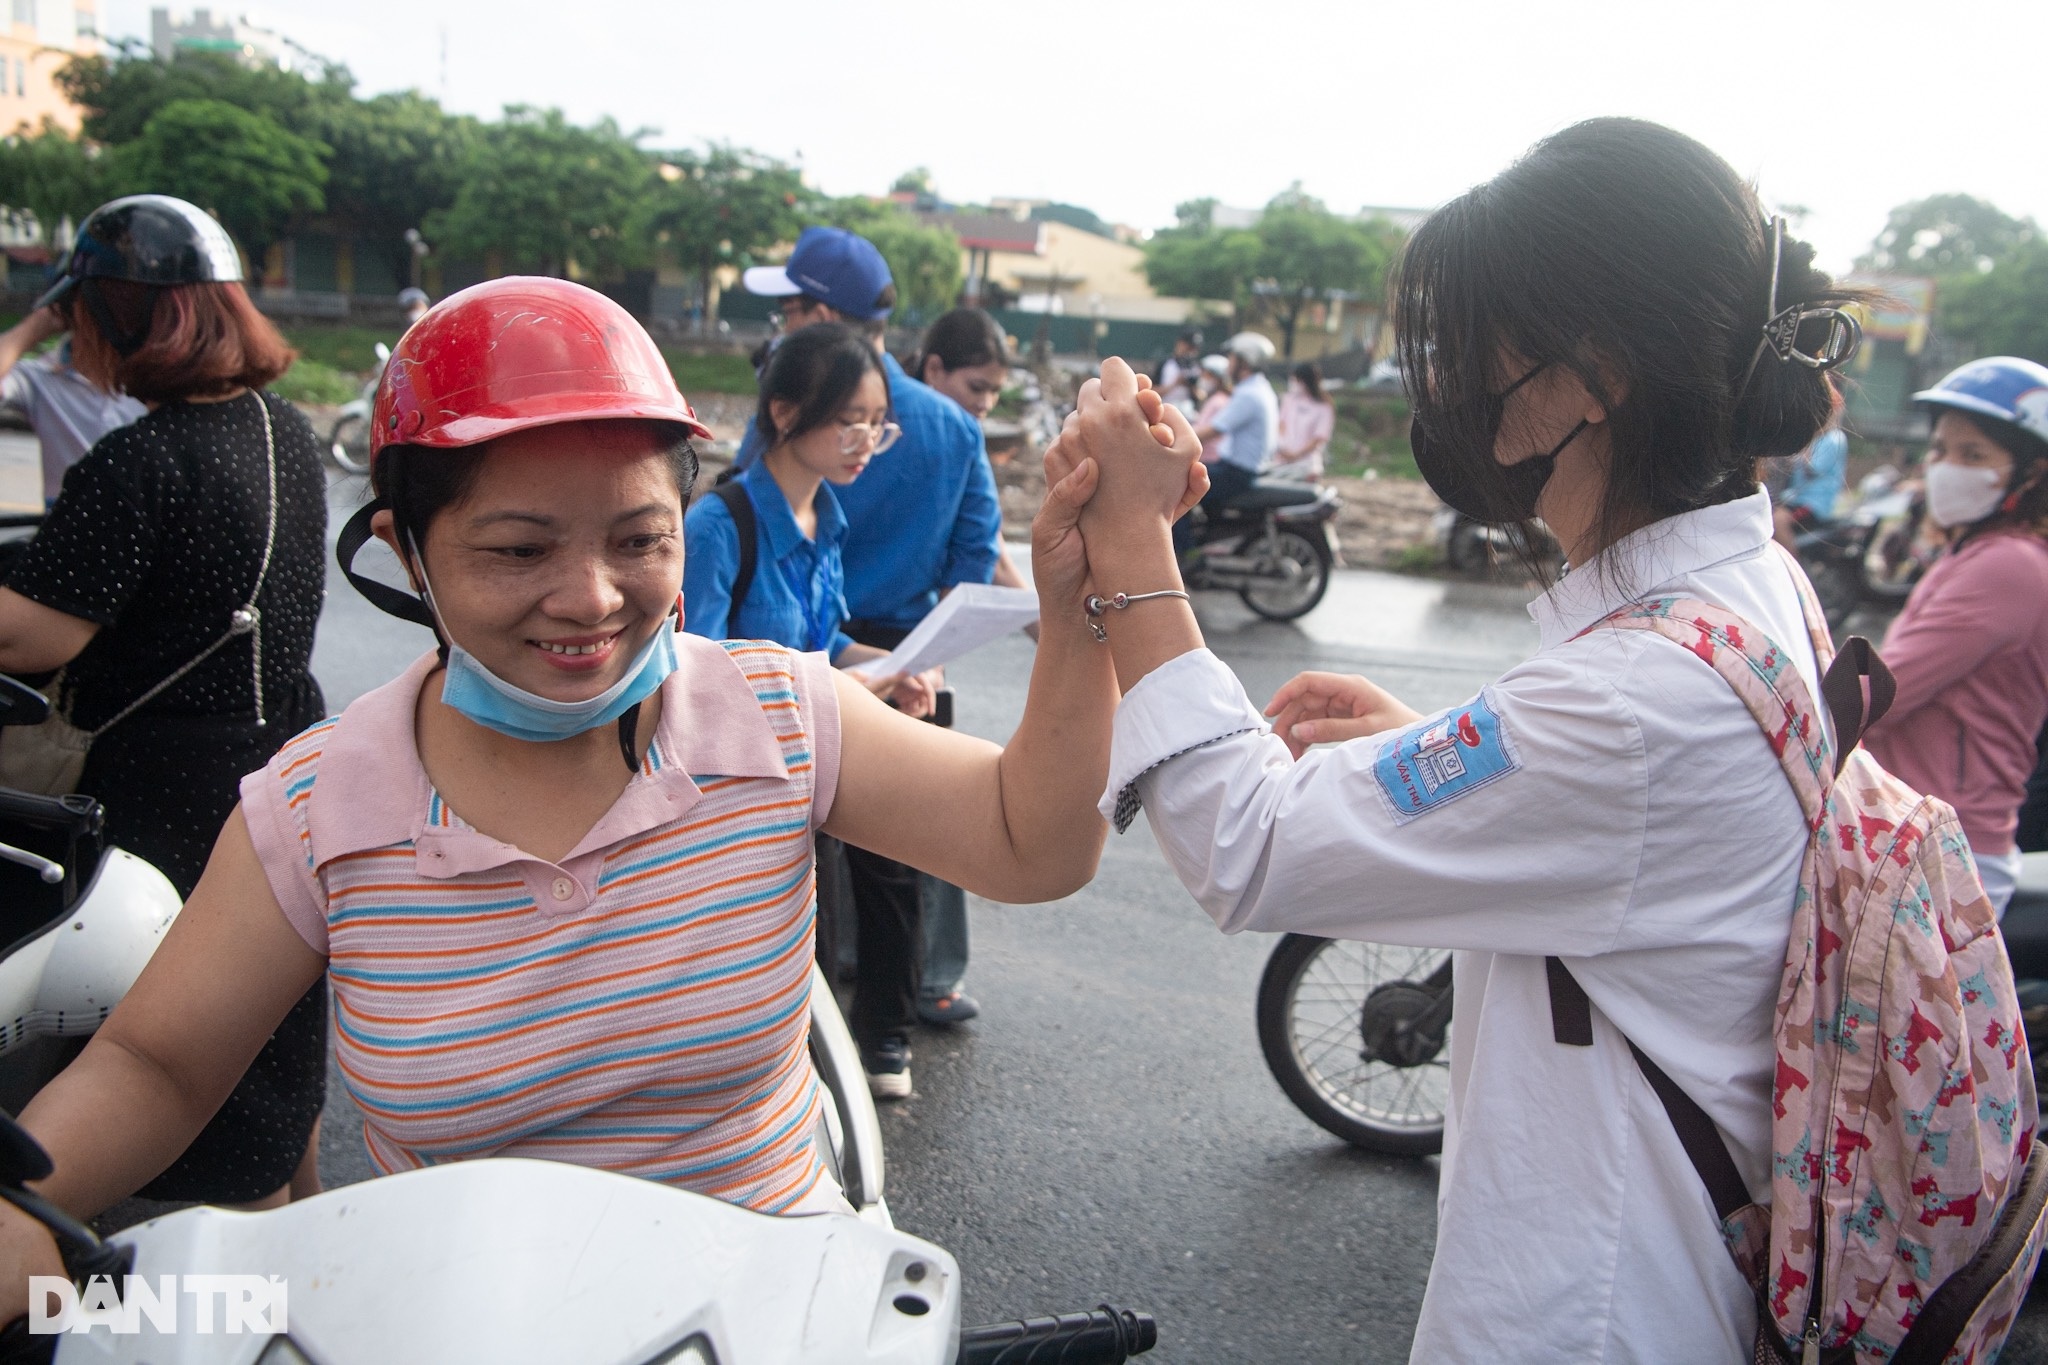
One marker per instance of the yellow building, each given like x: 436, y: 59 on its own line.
x: 1080, y: 274
x: 40, y: 36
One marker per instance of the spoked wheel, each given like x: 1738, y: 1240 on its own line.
x: 349, y: 443
x: 1293, y: 575
x: 1358, y: 1036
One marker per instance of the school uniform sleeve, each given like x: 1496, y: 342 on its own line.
x: 1514, y: 822
x: 978, y: 525
x: 711, y: 561
x: 1973, y: 614
x: 1239, y: 411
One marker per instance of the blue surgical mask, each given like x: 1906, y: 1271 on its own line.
x: 484, y: 697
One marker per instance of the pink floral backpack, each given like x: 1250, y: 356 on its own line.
x: 1907, y: 1190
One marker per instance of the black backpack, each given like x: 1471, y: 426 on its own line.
x: 741, y: 508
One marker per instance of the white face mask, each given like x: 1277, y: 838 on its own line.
x: 1959, y: 495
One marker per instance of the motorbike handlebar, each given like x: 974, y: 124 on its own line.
x: 1106, y: 1336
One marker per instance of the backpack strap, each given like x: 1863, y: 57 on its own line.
x: 1571, y: 1023
x: 741, y: 508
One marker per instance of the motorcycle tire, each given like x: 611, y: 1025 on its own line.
x: 1299, y: 586
x: 1837, y: 586
x: 349, y: 443
x: 1466, y: 550
x: 1312, y: 998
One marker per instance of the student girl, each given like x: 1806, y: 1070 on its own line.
x: 1970, y: 651
x: 558, y: 873
x: 1585, y: 335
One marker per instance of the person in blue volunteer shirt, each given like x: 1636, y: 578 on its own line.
x: 917, y: 524
x: 1814, y: 486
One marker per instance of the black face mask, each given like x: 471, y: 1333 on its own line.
x: 1472, y: 482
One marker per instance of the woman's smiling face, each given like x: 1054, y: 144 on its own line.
x: 564, y: 557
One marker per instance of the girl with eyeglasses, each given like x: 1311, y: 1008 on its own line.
x: 825, y: 410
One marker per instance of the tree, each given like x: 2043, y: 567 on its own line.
x: 395, y: 158
x: 52, y: 175
x: 917, y: 180
x: 1192, y: 260
x: 548, y: 197
x: 119, y: 95
x: 1308, y: 254
x: 925, y: 261
x: 1945, y: 234
x: 1073, y: 215
x: 719, y: 208
x: 242, y: 167
x: 2003, y: 310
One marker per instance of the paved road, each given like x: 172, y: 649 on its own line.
x: 1107, y: 1129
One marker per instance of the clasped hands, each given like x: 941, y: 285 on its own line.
x: 1125, y: 467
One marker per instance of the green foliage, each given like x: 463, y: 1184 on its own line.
x: 925, y: 261
x: 1423, y: 557
x: 1298, y: 254
x: 245, y: 169
x: 52, y: 175
x: 1371, y: 436
x: 1073, y: 215
x: 916, y: 180
x: 721, y: 206
x: 309, y: 381
x: 714, y: 372
x: 2003, y: 310
x: 545, y: 196
x: 350, y: 349
x: 395, y: 159
x: 119, y: 95
x: 1943, y: 235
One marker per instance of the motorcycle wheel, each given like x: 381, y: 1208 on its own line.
x: 349, y: 443
x: 1838, y: 587
x: 1466, y: 550
x: 1301, y: 575
x: 1312, y: 1002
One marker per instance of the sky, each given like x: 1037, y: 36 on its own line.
x: 1842, y: 110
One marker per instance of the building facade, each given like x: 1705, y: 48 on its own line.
x: 39, y: 37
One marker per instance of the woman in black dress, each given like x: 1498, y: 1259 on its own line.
x: 176, y: 581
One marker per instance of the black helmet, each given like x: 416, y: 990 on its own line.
x: 150, y: 239
x: 145, y: 239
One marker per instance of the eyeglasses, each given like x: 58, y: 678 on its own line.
x: 879, y: 436
x: 792, y: 312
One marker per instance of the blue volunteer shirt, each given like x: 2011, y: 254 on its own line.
x: 924, y: 514
x: 1819, y: 475
x: 797, y: 597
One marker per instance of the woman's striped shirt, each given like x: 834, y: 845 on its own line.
x: 642, y: 1005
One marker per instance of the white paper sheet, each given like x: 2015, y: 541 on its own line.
x: 967, y: 618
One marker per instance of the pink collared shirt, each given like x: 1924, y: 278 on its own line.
x: 642, y: 1005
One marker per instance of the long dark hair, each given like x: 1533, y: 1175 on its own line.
x: 816, y: 369
x: 1311, y: 376
x: 962, y: 338
x: 1637, y: 259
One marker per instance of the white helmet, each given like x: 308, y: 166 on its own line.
x: 1251, y: 348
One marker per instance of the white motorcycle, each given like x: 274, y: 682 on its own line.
x: 348, y: 440
x: 507, y: 1260
x: 78, y: 922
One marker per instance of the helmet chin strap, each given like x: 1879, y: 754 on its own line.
x: 385, y: 598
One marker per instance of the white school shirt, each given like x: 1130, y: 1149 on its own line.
x: 1611, y: 803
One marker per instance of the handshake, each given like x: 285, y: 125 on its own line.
x: 1126, y: 466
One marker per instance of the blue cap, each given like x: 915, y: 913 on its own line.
x: 840, y: 269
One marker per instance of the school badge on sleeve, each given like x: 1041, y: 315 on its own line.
x: 1440, y: 760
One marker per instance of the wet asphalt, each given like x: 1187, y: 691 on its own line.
x: 1107, y: 1130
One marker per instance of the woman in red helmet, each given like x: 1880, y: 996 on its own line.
x: 559, y: 872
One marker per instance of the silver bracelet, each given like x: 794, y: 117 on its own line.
x: 1096, y: 606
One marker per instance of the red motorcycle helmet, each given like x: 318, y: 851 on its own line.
x: 520, y: 352
x: 505, y: 356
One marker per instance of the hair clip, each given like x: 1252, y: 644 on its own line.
x: 1781, y: 329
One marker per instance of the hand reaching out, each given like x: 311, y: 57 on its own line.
x: 1324, y: 708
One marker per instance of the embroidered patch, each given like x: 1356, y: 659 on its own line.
x: 1442, y: 759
